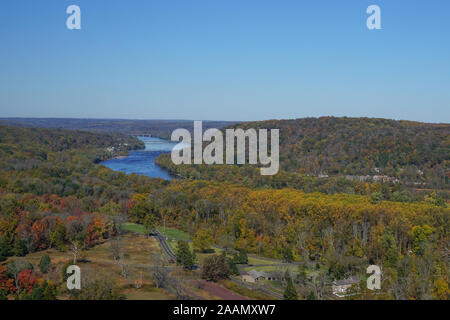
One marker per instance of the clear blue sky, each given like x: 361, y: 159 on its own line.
x: 225, y: 59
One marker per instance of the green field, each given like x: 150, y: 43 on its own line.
x: 171, y: 233
x: 256, y: 261
x: 133, y: 227
x: 174, y: 234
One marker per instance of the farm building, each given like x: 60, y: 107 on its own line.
x: 254, y: 276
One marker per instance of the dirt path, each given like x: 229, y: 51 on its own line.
x: 219, y: 291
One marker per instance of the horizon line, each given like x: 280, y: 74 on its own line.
x: 206, y: 120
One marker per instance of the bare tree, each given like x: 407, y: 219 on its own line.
x: 160, y: 271
x: 301, y: 242
x: 116, y: 248
x: 138, y: 282
x: 119, y: 220
x: 123, y: 265
x: 75, y: 249
x: 179, y: 289
x: 118, y: 254
x: 328, y: 236
x: 319, y: 284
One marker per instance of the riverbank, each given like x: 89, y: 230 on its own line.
x: 142, y: 161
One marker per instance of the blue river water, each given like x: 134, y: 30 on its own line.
x: 143, y: 161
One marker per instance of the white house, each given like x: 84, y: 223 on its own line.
x: 340, y: 287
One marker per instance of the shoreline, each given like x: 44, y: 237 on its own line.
x: 163, y: 174
x: 118, y: 157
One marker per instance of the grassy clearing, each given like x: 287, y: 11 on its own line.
x: 98, y: 261
x: 133, y: 227
x: 255, y: 261
x: 137, y: 252
x: 252, y: 294
x: 171, y: 233
x: 174, y: 234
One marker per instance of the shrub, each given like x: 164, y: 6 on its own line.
x: 215, y: 268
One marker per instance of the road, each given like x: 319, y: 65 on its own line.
x: 164, y: 245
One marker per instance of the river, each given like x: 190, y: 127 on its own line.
x: 143, y: 161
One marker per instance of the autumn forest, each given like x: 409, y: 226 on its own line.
x: 351, y: 192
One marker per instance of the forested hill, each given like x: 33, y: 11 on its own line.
x: 158, y: 128
x: 33, y: 139
x: 46, y: 161
x: 413, y: 152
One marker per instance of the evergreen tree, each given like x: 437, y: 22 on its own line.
x: 231, y: 264
x: 44, y: 264
x: 289, y: 293
x: 243, y: 259
x: 57, y: 237
x: 5, y: 248
x: 3, y: 294
x: 185, y: 257
x: 287, y: 254
x: 38, y: 293
x: 20, y: 248
x: 390, y: 249
x: 302, y: 276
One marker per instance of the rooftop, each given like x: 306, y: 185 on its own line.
x: 349, y: 280
x: 257, y: 274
